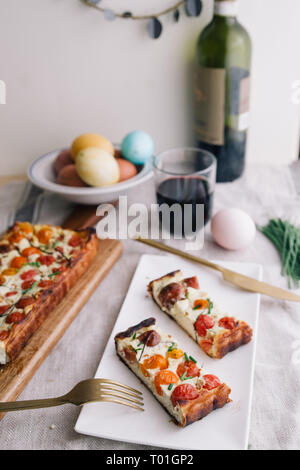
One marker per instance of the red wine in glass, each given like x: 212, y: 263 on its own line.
x: 185, y: 190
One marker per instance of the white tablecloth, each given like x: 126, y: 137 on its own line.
x: 275, y: 424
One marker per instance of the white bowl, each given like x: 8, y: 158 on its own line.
x: 42, y: 175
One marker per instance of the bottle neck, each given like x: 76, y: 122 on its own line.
x: 225, y: 8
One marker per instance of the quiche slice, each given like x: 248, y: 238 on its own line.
x: 38, y: 266
x: 175, y: 379
x: 196, y: 312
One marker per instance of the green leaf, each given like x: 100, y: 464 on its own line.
x: 171, y: 347
x: 183, y: 376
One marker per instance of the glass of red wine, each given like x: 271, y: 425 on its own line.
x: 185, y: 177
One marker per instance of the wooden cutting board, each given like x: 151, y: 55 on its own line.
x: 15, y: 375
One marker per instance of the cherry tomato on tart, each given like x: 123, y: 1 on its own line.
x: 174, y: 377
x: 198, y: 314
x: 189, y: 368
x: 164, y: 377
x: 184, y: 392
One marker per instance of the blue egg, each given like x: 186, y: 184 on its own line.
x: 137, y: 147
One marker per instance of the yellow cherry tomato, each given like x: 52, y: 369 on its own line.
x: 175, y: 354
x: 44, y: 235
x: 9, y: 272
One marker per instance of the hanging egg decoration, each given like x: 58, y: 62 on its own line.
x: 154, y: 26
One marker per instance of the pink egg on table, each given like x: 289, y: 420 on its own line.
x: 233, y: 229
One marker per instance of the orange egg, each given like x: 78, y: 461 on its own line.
x: 127, y: 169
x: 91, y: 140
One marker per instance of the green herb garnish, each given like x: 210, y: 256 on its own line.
x: 142, y: 353
x: 286, y: 238
x: 192, y: 359
x: 29, y: 288
x: 185, y: 376
x: 44, y: 249
x: 134, y: 336
x: 171, y: 347
x: 54, y: 274
x: 210, y: 306
x: 186, y: 357
x: 170, y: 386
x: 35, y: 264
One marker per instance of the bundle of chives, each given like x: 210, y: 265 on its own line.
x: 286, y: 238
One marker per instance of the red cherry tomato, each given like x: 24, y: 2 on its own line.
x: 211, y: 381
x: 4, y: 334
x: 228, y: 323
x: 46, y: 283
x: 46, y: 259
x: 28, y: 275
x: 24, y: 302
x: 9, y: 294
x: 27, y: 284
x: 192, y: 282
x: 184, y: 392
x: 15, y: 317
x: 4, y: 308
x: 191, y: 369
x: 59, y: 270
x: 202, y: 323
x: 74, y: 241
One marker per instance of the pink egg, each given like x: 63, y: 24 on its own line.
x: 63, y: 159
x: 233, y: 229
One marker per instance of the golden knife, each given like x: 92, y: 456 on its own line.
x: 244, y: 282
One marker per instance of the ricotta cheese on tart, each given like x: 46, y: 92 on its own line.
x: 197, y: 313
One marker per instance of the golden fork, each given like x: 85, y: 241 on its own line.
x: 244, y: 282
x: 87, y: 391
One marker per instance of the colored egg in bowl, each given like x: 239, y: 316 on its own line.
x: 42, y: 174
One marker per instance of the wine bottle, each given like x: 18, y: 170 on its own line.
x: 221, y: 90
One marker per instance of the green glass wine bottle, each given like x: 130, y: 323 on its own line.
x: 221, y: 89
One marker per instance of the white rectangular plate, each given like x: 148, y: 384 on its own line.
x: 226, y: 428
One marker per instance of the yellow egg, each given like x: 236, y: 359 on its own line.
x: 97, y: 167
x: 91, y: 140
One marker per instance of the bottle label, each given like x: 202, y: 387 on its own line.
x: 239, y: 92
x: 215, y: 107
x: 226, y: 8
x: 209, y: 92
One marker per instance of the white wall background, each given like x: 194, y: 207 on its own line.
x: 68, y: 71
